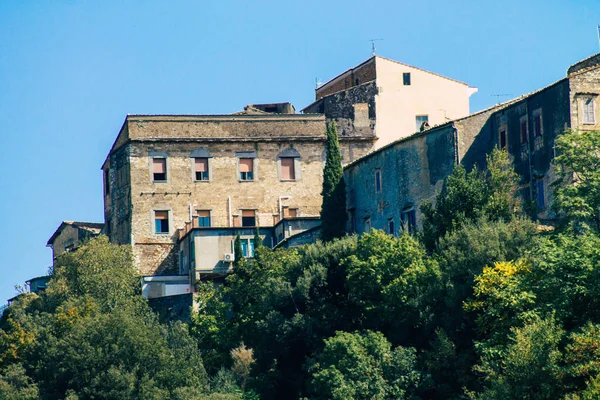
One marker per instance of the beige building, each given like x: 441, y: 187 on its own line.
x: 390, y: 100
x: 71, y: 234
x: 168, y: 172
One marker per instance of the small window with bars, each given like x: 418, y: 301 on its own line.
x: 201, y: 169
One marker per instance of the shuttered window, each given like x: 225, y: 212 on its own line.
x: 159, y: 169
x: 203, y: 218
x: 161, y: 221
x: 201, y: 169
x: 248, y: 218
x: 288, y: 172
x: 588, y: 112
x: 246, y: 169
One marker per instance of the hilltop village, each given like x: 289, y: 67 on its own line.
x: 178, y: 189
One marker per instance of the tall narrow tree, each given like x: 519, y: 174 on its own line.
x: 333, y: 210
x: 238, y: 253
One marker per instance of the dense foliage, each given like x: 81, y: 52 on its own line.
x: 479, y: 305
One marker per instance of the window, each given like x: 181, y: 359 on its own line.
x: 391, y: 230
x: 201, y: 169
x: 106, y: 182
x: 523, y: 132
x: 248, y: 217
x: 246, y: 169
x: 161, y: 222
x: 406, y: 78
x: 248, y: 247
x: 203, y: 218
x: 541, y: 203
x: 537, y: 125
x: 408, y: 221
x: 588, y: 111
x: 244, y: 243
x: 290, y: 212
x: 159, y: 169
x: 367, y: 225
x: 378, y: 181
x: 356, y: 82
x: 503, y: 139
x: 420, y: 120
x: 288, y: 171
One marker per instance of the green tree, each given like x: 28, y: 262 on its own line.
x: 392, y: 276
x: 528, y: 367
x: 85, y: 338
x: 363, y: 366
x: 16, y: 385
x: 238, y: 254
x: 333, y: 209
x: 467, y: 197
x: 577, y: 191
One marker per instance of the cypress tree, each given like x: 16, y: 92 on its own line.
x: 333, y: 210
x: 257, y: 242
x: 238, y: 254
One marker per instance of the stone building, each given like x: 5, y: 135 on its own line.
x: 386, y: 188
x: 390, y: 100
x: 201, y: 172
x: 70, y: 234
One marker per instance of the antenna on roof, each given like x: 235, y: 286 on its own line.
x: 373, y: 45
x: 501, y: 95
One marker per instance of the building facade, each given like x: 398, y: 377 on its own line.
x: 390, y: 100
x: 386, y: 188
x: 254, y: 168
x: 71, y: 234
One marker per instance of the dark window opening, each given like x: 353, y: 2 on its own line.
x: 391, y: 230
x: 356, y: 81
x: 248, y: 218
x: 408, y: 221
x: 537, y: 125
x: 159, y: 169
x: 523, y: 132
x: 540, y: 195
x: 502, y: 139
x: 106, y: 182
x: 378, y: 181
x: 406, y: 78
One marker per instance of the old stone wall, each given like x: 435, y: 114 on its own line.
x: 584, y: 84
x: 117, y: 202
x: 224, y: 195
x: 412, y: 170
x: 364, y: 72
x: 69, y: 236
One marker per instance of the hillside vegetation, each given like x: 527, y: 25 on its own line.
x: 482, y: 304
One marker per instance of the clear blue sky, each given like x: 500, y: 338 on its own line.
x: 70, y: 71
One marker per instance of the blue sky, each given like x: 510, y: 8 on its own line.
x: 70, y: 71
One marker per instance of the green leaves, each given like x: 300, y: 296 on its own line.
x: 577, y: 191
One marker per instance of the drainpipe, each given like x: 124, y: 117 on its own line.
x: 191, y: 214
x: 229, y: 216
